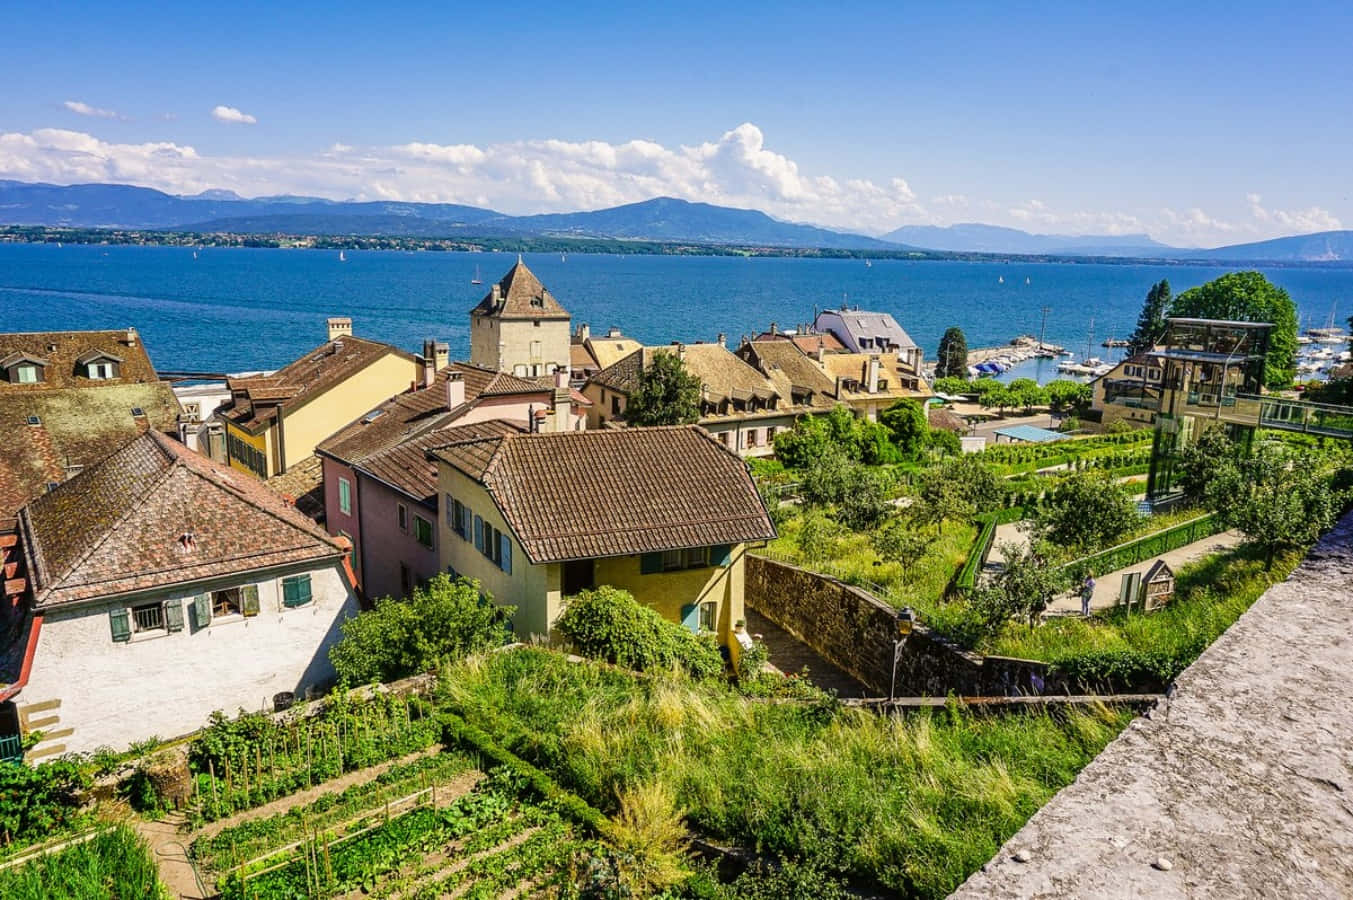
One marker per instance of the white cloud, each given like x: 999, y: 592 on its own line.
x: 232, y: 115
x: 1300, y: 221
x: 79, y: 107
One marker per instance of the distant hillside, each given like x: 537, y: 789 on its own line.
x: 1324, y: 246
x: 661, y: 219
x: 975, y: 238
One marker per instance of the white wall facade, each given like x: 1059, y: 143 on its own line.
x: 112, y: 693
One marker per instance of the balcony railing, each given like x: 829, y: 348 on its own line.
x: 11, y: 748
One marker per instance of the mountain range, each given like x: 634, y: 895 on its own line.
x: 662, y: 219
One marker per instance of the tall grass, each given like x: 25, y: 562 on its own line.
x: 915, y: 804
x: 116, y: 865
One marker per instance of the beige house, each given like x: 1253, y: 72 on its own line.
x: 589, y: 353
x: 273, y: 422
x: 161, y: 586
x: 866, y: 382
x: 664, y: 513
x: 741, y: 407
x: 520, y: 328
x: 1130, y: 391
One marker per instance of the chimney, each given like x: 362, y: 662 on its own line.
x: 721, y: 339
x: 429, y: 373
x: 560, y: 378
x: 873, y: 377
x: 441, y: 354
x: 496, y: 293
x: 839, y: 379
x: 613, y: 332
x: 773, y: 329
x: 821, y: 349
x: 561, y: 402
x: 455, y: 390
x: 339, y: 326
x: 131, y: 337
x: 584, y: 332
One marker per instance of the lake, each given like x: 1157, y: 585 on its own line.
x: 241, y: 309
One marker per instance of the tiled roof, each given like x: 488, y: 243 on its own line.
x: 414, y: 412
x: 520, y: 295
x: 610, y: 350
x: 589, y: 494
x: 808, y: 343
x: 858, y: 323
x: 77, y: 426
x: 64, y: 352
x: 791, y: 370
x: 406, y: 465
x: 325, y: 367
x: 856, y: 366
x: 302, y: 484
x: 722, y: 374
x: 946, y: 419
x: 116, y: 527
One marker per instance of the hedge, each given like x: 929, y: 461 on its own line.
x: 1148, y: 546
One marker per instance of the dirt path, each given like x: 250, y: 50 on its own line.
x: 170, y: 847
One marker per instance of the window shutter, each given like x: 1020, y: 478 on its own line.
x: 120, y: 621
x: 202, y: 610
x: 173, y: 615
x: 479, y: 534
x: 690, y: 617
x: 650, y: 563
x: 296, y: 590
x: 249, y: 596
x: 450, y: 511
x: 721, y: 555
x: 505, y: 543
x: 465, y: 521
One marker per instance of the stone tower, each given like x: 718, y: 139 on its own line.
x: 519, y: 327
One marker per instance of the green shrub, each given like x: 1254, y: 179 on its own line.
x: 36, y: 801
x: 609, y: 624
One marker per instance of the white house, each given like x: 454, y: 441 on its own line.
x: 161, y: 586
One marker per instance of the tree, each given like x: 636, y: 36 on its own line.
x: 897, y: 542
x: 825, y: 480
x: 441, y: 621
x: 867, y: 499
x: 1249, y: 297
x: 1066, y: 396
x: 1026, y: 393
x: 1086, y: 512
x: 951, y: 385
x: 812, y: 436
x: 1203, y: 461
x: 908, y: 428
x: 1278, y: 499
x: 1025, y: 587
x: 955, y: 490
x: 817, y: 535
x: 999, y: 398
x: 1151, y: 323
x: 667, y: 394
x: 876, y: 444
x: 953, y: 354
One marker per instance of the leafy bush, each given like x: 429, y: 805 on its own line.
x: 116, y: 864
x: 36, y: 801
x: 609, y: 624
x: 442, y: 620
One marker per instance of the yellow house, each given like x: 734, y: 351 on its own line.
x: 274, y: 421
x: 664, y: 513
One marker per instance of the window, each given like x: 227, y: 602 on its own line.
x: 101, y: 371
x: 708, y: 611
x: 690, y: 558
x: 402, y: 514
x: 246, y: 454
x: 405, y: 580
x: 460, y: 519
x: 536, y: 323
x: 148, y: 617
x: 296, y: 590
x: 226, y: 603
x: 344, y: 496
x: 615, y: 405
x: 28, y: 374
x: 422, y: 531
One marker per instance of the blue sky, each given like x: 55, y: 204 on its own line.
x: 1198, y: 123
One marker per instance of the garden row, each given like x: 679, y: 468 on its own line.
x: 114, y: 863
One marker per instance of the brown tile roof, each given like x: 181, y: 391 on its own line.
x: 808, y: 343
x: 792, y: 371
x: 414, y: 412
x: 946, y: 419
x: 302, y: 484
x: 855, y: 366
x: 116, y: 527
x: 520, y: 295
x: 79, y: 421
x: 325, y: 367
x: 64, y: 353
x: 721, y: 373
x: 405, y: 466
x: 589, y: 494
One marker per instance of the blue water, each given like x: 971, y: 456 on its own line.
x: 237, y: 309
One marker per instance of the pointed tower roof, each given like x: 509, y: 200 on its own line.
x: 520, y: 295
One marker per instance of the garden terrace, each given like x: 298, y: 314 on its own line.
x: 114, y: 863
x: 910, y: 805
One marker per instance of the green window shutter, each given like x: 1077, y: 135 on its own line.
x: 296, y: 590
x: 721, y: 555
x: 650, y: 563
x: 505, y: 543
x: 690, y: 617
x: 120, y: 621
x: 173, y: 615
x: 249, y: 596
x: 202, y: 610
x: 344, y: 496
x: 479, y: 534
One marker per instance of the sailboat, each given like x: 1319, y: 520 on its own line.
x: 194, y: 254
x: 563, y: 258
x: 1000, y: 280
x: 1027, y: 281
x: 868, y: 264
x: 341, y: 257
x: 476, y: 279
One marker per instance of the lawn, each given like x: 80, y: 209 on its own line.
x: 911, y: 804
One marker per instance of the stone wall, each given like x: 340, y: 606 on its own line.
x: 855, y: 631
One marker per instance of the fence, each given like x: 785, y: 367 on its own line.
x: 1144, y: 548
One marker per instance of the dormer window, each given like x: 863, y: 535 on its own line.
x: 27, y: 373
x: 21, y: 368
x: 99, y: 366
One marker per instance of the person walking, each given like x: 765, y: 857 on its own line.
x: 1087, y: 593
